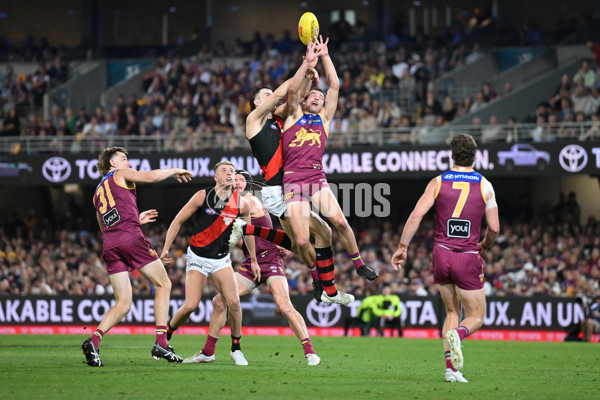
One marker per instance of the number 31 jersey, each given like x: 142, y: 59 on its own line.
x: 117, y: 206
x: 460, y: 202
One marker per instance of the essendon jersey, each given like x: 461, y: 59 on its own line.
x: 213, y: 223
x: 459, y: 209
x: 117, y: 206
x: 266, y: 147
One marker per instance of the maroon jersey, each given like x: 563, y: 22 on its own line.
x: 459, y: 210
x: 266, y: 252
x: 213, y: 223
x: 266, y: 147
x: 304, y: 144
x: 117, y: 206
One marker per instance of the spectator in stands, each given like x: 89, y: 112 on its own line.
x: 580, y: 99
x: 475, y: 55
x: 465, y: 108
x: 511, y: 131
x: 432, y: 102
x: 593, y: 103
x: 400, y: 64
x: 479, y: 102
x: 448, y: 109
x: 81, y: 120
x: 488, y: 93
x: 11, y: 124
x: 567, y: 129
x: 586, y: 74
x: 537, y: 134
x: 593, y: 132
x: 59, y: 72
x: 92, y: 128
x: 492, y: 132
x: 389, y: 115
x: 507, y: 89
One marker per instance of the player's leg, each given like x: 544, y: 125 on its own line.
x: 298, y: 217
x: 225, y: 281
x: 466, y: 272
x: 123, y: 295
x: 326, y: 203
x: 277, y: 236
x: 281, y: 294
x: 452, y: 349
x: 217, y: 322
x: 157, y: 275
x: 474, y: 303
x: 195, y: 282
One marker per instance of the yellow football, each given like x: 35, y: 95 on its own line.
x: 308, y: 27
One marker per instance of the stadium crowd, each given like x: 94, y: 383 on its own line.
x: 201, y: 102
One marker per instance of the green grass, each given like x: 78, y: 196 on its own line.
x: 48, y: 367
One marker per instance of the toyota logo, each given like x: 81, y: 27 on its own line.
x: 573, y: 158
x: 56, y: 169
x: 323, y: 315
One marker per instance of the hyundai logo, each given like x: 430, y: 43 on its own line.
x: 56, y: 169
x: 323, y: 315
x: 573, y: 158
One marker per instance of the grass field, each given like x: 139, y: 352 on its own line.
x: 49, y: 367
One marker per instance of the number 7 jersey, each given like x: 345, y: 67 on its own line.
x: 117, y: 206
x: 460, y: 203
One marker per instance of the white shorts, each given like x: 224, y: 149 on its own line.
x: 206, y: 266
x: 272, y: 197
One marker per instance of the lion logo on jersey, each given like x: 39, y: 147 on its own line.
x: 303, y: 136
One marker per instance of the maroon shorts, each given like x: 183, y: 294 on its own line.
x: 135, y: 254
x: 269, y: 266
x: 300, y: 186
x: 464, y: 270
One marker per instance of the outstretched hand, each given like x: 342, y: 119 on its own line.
x: 312, y: 53
x: 321, y: 46
x: 148, y: 216
x: 183, y: 175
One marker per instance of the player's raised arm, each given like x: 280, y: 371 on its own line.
x: 183, y: 215
x: 331, y: 100
x: 271, y: 100
x: 157, y: 175
x: 414, y: 220
x: 297, y: 90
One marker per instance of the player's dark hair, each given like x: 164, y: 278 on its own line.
x: 463, y: 149
x: 105, y: 157
x: 254, y: 95
x: 316, y: 89
x: 245, y: 174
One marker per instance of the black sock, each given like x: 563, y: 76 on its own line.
x: 235, y: 343
x: 170, y: 331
